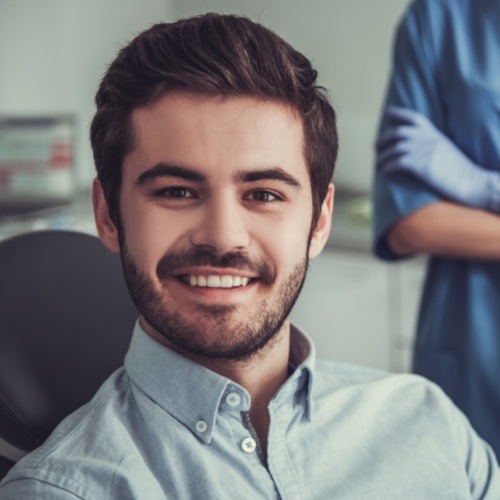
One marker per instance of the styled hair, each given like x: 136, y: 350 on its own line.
x: 213, y: 55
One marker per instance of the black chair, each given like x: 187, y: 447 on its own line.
x: 66, y: 319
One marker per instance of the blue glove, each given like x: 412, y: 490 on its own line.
x: 416, y: 146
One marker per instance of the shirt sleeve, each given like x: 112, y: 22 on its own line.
x: 480, y: 462
x: 449, y: 429
x: 413, y: 84
x: 33, y: 488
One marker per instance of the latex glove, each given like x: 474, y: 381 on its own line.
x: 416, y: 146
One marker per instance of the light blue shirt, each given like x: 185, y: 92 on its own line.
x: 165, y: 427
x: 447, y: 67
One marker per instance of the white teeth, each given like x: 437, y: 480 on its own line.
x: 215, y: 281
x: 226, y: 281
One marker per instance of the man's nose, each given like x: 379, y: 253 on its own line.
x: 223, y: 226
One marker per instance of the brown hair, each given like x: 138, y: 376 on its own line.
x: 215, y: 55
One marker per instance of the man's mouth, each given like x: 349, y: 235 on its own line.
x: 215, y: 281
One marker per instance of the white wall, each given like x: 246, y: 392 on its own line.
x: 53, y: 53
x: 349, y: 42
x: 344, y: 308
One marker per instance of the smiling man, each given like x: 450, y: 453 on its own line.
x: 214, y: 150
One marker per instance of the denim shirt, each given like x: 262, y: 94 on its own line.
x: 165, y: 427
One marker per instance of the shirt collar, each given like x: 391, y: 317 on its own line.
x: 194, y: 394
x: 303, y: 361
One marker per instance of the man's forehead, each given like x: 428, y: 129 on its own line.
x: 190, y: 104
x: 185, y: 127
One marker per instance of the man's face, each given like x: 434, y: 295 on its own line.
x: 216, y: 211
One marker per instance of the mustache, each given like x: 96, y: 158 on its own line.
x: 197, y: 257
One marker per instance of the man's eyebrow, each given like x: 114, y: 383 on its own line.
x: 276, y: 173
x: 168, y: 170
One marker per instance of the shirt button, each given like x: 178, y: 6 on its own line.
x: 201, y: 426
x: 248, y: 445
x: 233, y: 399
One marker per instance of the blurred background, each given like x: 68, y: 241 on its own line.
x: 52, y: 56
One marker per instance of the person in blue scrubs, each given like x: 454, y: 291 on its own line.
x: 437, y: 192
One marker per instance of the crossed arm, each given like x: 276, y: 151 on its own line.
x: 467, y: 226
x: 449, y: 229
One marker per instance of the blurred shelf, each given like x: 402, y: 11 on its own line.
x: 351, y: 226
x: 75, y: 214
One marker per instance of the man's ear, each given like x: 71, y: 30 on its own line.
x: 105, y: 226
x: 322, y: 230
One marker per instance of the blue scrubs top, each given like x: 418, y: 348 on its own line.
x: 447, y: 67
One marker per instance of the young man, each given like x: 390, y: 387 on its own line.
x: 214, y: 150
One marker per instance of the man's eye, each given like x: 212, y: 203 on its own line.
x: 263, y: 196
x: 175, y: 193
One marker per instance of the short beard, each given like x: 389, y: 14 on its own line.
x: 209, y: 338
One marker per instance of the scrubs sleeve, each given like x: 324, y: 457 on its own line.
x: 413, y: 84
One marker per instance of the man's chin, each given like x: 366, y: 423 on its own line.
x: 215, y: 340
x: 214, y: 312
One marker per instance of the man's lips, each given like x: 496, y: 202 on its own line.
x: 215, y: 280
x: 203, y: 269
